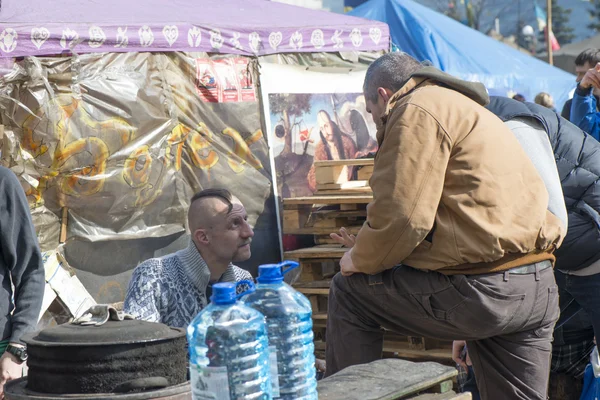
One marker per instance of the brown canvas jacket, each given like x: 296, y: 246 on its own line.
x: 453, y: 190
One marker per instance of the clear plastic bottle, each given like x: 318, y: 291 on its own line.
x: 229, y: 352
x: 289, y: 324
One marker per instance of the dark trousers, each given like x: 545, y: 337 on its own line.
x: 507, y: 320
x: 584, y: 290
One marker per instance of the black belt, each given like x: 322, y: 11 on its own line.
x: 531, y: 268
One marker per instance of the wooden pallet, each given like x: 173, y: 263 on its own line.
x: 317, y: 263
x: 321, y: 200
x: 306, y: 219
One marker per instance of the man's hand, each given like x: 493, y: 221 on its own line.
x: 458, y: 347
x: 10, y: 368
x: 347, y: 266
x: 344, y: 238
x: 591, y: 78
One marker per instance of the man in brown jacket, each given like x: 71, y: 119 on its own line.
x: 458, y: 203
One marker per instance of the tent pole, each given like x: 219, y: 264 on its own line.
x: 549, y: 32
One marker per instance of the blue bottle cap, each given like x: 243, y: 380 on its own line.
x: 269, y: 273
x: 273, y: 273
x: 223, y: 293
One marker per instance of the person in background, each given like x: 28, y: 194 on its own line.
x: 571, y: 349
x: 584, y: 107
x: 584, y: 61
x: 22, y: 275
x: 458, y: 239
x: 519, y: 97
x: 545, y: 100
x: 173, y: 289
x: 577, y: 267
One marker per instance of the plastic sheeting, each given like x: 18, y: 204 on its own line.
x: 123, y: 141
x: 466, y: 53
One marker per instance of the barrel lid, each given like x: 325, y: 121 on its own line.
x: 110, y: 333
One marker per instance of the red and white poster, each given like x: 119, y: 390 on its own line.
x: 224, y: 80
x: 206, y: 81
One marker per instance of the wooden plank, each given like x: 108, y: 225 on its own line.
x: 339, y: 213
x: 335, y: 219
x: 451, y: 395
x: 63, y: 225
x: 316, y: 252
x: 345, y: 185
x: 401, y: 350
x: 340, y: 192
x: 442, y: 387
x: 296, y: 218
x: 331, y: 174
x: 313, y: 285
x: 314, y: 291
x: 358, y: 199
x: 387, y: 379
x: 317, y: 230
x: 314, y: 303
x: 322, y: 316
x: 324, y: 239
x: 423, y: 343
x: 365, y: 173
x: 352, y: 162
x: 310, y: 272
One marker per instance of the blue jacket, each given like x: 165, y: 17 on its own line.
x: 577, y: 157
x: 584, y: 113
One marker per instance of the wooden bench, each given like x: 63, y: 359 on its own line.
x: 391, y: 379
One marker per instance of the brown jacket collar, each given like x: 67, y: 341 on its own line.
x: 408, y: 87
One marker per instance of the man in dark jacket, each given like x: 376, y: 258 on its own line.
x: 21, y: 268
x: 577, y: 268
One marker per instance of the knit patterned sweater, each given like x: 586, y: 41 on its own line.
x: 172, y: 289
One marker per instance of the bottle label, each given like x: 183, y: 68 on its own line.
x: 274, y: 371
x: 209, y: 383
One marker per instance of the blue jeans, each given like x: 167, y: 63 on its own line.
x: 467, y: 383
x: 585, y: 291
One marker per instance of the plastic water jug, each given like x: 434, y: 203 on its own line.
x: 229, y: 351
x: 289, y: 326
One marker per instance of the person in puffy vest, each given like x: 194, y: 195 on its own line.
x: 577, y: 268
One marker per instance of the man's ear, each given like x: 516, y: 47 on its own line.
x: 385, y: 94
x: 201, y: 236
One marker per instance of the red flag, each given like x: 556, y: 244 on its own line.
x: 553, y: 42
